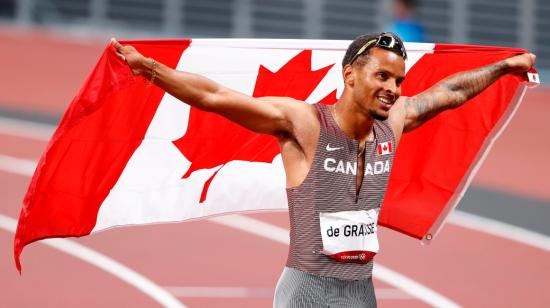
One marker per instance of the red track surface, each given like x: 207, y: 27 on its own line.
x: 519, y: 160
x: 469, y: 267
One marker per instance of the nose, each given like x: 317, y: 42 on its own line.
x: 392, y: 88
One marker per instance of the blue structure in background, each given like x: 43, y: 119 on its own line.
x: 404, y: 24
x: 409, y: 30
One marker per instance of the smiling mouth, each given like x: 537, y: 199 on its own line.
x: 385, y: 101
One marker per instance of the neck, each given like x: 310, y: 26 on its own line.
x: 353, y: 120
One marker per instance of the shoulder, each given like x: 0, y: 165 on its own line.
x: 302, y: 117
x: 287, y: 103
x: 293, y: 108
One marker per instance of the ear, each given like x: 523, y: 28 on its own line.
x: 348, y: 75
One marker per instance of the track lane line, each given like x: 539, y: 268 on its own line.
x: 19, y: 166
x: 109, y: 265
x: 500, y: 229
x: 26, y: 129
x: 255, y: 292
x: 42, y: 132
x: 26, y: 167
x: 391, y: 277
x: 220, y: 292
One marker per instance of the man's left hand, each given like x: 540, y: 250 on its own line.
x: 521, y: 63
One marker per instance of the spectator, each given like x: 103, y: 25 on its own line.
x: 404, y: 23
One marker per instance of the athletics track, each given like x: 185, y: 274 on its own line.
x: 235, y: 261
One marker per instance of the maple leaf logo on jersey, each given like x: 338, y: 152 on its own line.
x: 212, y: 141
x: 384, y: 148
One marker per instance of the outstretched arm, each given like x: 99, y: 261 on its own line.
x: 269, y: 115
x: 456, y: 89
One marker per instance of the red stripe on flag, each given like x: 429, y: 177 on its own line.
x: 433, y: 160
x: 98, y: 134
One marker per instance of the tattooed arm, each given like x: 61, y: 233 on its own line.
x: 457, y: 89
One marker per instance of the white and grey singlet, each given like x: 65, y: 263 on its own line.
x: 330, y: 189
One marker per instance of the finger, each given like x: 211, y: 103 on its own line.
x: 533, y: 57
x: 116, y: 44
x: 121, y: 56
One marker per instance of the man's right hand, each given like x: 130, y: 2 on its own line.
x: 129, y: 54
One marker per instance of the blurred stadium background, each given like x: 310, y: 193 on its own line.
x: 47, y: 48
x: 510, y: 23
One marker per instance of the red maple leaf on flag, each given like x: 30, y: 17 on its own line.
x: 211, y: 140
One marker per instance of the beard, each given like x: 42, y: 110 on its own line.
x: 377, y: 116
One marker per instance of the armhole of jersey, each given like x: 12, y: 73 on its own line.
x: 386, y: 128
x: 394, y: 133
x: 321, y: 119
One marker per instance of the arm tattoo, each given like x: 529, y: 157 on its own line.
x: 454, y: 91
x: 470, y: 83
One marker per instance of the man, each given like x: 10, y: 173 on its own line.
x: 336, y: 158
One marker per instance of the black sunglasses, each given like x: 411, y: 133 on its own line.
x: 386, y: 41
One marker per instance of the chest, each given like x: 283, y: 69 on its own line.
x: 350, y: 176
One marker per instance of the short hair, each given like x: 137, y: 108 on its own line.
x: 359, y: 42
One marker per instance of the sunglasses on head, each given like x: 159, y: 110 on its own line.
x: 386, y: 41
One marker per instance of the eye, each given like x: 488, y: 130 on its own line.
x: 382, y: 75
x: 399, y: 81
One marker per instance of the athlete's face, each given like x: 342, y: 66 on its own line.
x: 377, y: 83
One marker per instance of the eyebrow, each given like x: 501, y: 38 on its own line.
x: 382, y: 70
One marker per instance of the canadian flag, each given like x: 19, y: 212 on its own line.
x: 127, y: 153
x: 384, y: 148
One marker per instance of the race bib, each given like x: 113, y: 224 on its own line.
x: 350, y: 236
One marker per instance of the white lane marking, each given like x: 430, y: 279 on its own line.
x: 247, y: 292
x: 413, y: 288
x: 254, y: 226
x: 16, y: 165
x: 500, y: 229
x: 26, y: 167
x: 26, y: 129
x: 105, y: 263
x: 29, y: 129
x: 220, y: 292
x: 278, y: 234
x: 392, y: 294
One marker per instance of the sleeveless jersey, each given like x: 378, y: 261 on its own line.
x: 330, y: 187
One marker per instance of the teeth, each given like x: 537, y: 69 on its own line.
x: 384, y: 100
